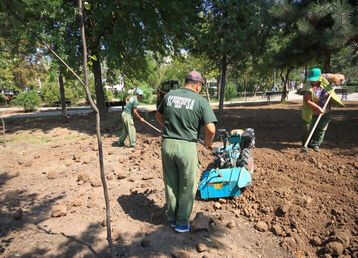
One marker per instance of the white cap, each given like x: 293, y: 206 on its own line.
x: 138, y: 91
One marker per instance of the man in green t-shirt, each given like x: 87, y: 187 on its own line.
x: 182, y: 113
x: 128, y: 128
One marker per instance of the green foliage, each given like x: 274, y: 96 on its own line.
x: 147, y: 42
x: 148, y: 96
x: 148, y: 91
x: 74, y: 90
x: 109, y: 95
x: 122, y: 95
x: 230, y: 91
x: 314, y: 30
x: 3, y: 99
x: 29, y: 100
x: 50, y: 93
x: 346, y: 62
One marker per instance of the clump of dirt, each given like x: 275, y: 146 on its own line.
x: 300, y: 204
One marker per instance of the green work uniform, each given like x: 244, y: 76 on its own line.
x: 184, y: 113
x: 128, y: 128
x: 319, y: 96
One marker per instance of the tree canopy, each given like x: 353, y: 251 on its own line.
x: 249, y: 43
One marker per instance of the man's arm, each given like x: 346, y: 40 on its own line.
x: 308, y: 99
x: 136, y: 114
x: 209, y: 134
x: 159, y: 118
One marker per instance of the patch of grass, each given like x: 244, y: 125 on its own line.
x: 70, y: 137
x: 29, y: 139
x: 42, y: 139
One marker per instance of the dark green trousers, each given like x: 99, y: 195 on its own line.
x: 320, y: 132
x: 180, y: 165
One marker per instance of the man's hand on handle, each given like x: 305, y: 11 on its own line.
x: 318, y: 110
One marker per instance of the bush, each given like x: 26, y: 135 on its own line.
x: 3, y: 99
x: 121, y: 95
x: 148, y: 96
x: 29, y: 100
x: 109, y: 95
x: 230, y: 91
x: 50, y: 93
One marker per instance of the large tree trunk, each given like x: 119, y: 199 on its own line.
x: 97, y: 72
x: 62, y: 94
x: 222, y: 84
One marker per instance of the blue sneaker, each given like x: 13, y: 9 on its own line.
x: 182, y: 228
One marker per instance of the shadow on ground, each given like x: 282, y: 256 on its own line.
x: 19, y: 209
x: 161, y: 242
x: 139, y: 207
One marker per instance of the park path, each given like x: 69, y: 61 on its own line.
x: 16, y: 112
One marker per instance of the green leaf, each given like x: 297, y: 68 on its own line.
x: 87, y: 5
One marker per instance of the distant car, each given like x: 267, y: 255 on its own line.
x: 164, y: 88
x: 58, y: 103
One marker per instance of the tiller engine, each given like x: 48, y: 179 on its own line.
x: 233, y: 165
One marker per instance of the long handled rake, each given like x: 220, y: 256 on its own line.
x: 157, y: 130
x: 317, y: 121
x: 152, y: 126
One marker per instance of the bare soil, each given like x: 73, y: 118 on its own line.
x: 301, y: 204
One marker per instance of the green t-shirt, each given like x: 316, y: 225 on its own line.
x: 131, y: 103
x: 184, y: 113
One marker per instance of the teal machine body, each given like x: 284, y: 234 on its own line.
x: 233, y: 162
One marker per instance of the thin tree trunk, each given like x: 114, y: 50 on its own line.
x: 284, y: 85
x: 245, y: 84
x: 62, y: 94
x: 124, y: 90
x: 306, y: 74
x: 222, y: 84
x: 40, y: 84
x: 218, y: 87
x: 327, y: 63
x: 97, y: 72
x: 3, y: 130
x: 245, y: 88
x: 98, y: 131
x: 274, y: 79
x: 284, y: 79
x: 207, y: 92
